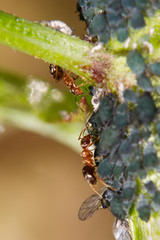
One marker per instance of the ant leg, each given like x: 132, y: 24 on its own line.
x: 66, y: 76
x: 82, y: 84
x: 82, y: 132
x: 78, y: 104
x: 93, y: 142
x: 84, y: 129
x: 75, y: 77
x: 96, y: 139
x: 98, y: 157
x: 87, y: 118
x: 105, y: 184
x: 95, y: 190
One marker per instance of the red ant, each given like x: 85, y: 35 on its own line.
x: 69, y: 81
x: 58, y: 73
x: 89, y: 170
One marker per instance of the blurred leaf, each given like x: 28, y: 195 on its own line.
x: 65, y: 132
x: 36, y: 96
x: 33, y: 104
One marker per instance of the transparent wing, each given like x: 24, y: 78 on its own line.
x: 89, y: 207
x: 121, y: 230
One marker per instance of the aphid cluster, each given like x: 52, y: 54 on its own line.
x: 109, y: 123
x: 123, y: 135
x: 128, y: 136
x: 126, y: 150
x: 110, y: 18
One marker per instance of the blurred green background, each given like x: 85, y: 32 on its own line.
x: 41, y: 184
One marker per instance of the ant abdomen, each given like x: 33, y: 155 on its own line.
x: 89, y: 174
x: 85, y: 141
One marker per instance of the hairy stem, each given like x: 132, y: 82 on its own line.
x: 45, y: 43
x: 64, y: 50
x: 142, y: 230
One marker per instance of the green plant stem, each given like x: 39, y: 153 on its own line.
x: 67, y: 51
x: 45, y: 43
x: 141, y: 230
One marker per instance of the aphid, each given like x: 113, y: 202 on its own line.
x: 103, y: 112
x: 92, y: 204
x: 89, y: 207
x: 121, y: 230
x: 95, y: 202
x: 94, y: 125
x: 117, y: 207
x: 143, y: 207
